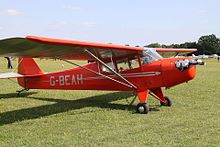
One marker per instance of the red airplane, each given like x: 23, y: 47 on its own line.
x: 110, y: 67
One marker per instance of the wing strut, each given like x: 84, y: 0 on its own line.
x: 109, y: 68
x: 92, y: 71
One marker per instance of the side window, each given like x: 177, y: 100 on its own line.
x: 110, y: 64
x: 127, y: 64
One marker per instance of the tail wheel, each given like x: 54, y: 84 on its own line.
x: 168, y: 102
x: 142, y: 108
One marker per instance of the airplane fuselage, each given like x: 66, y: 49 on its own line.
x: 160, y: 73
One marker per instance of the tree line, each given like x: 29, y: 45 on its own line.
x: 208, y: 44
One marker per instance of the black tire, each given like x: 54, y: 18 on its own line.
x: 142, y: 108
x: 168, y: 103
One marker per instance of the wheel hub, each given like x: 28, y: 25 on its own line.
x: 141, y: 109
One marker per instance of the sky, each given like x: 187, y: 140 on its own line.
x: 131, y: 22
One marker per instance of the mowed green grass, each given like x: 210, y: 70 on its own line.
x: 101, y: 118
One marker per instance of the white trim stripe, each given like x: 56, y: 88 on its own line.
x: 129, y: 75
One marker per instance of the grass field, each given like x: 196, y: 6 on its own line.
x: 100, y: 118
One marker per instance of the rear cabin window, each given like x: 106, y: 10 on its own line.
x: 127, y: 64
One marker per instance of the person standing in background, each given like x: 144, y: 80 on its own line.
x: 9, y: 62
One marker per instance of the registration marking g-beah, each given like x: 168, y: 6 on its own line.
x: 66, y: 80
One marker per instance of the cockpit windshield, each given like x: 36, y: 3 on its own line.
x: 149, y: 55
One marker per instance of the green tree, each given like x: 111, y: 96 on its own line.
x: 154, y: 45
x: 188, y: 45
x: 208, y: 44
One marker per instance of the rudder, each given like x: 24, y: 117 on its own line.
x: 27, y: 66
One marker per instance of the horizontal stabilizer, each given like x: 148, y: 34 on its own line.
x: 10, y: 75
x: 16, y: 75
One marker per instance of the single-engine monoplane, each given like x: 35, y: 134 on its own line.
x: 112, y: 67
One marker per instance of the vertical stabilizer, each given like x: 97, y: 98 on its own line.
x: 27, y: 66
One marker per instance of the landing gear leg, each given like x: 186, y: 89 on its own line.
x: 142, y: 107
x: 21, y: 91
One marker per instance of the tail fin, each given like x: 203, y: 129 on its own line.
x: 27, y: 66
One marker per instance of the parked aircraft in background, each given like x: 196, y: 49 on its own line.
x: 200, y: 56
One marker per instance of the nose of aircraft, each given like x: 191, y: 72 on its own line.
x: 176, y: 71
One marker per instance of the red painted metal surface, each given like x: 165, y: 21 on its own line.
x: 172, y: 76
x: 153, y: 76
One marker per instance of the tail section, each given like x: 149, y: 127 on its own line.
x: 27, y: 66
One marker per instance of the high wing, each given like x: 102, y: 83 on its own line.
x: 39, y: 47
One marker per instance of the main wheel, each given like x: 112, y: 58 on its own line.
x: 168, y: 103
x: 142, y: 108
